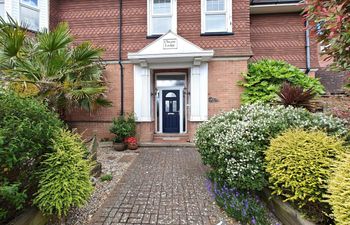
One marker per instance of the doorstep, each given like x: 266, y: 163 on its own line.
x: 171, y: 138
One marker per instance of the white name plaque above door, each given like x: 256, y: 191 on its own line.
x: 170, y: 44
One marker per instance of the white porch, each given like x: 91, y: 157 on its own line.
x: 171, y: 58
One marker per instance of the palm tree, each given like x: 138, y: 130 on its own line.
x: 50, y: 67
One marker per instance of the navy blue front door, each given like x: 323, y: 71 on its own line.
x: 171, y: 109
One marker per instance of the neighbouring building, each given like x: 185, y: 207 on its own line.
x: 174, y: 63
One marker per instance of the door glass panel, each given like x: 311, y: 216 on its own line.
x: 171, y: 95
x: 174, y: 106
x: 167, y: 106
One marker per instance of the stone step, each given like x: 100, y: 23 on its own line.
x: 171, y: 138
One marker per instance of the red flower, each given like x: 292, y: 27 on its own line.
x: 130, y: 140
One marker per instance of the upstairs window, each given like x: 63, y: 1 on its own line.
x: 161, y: 16
x: 2, y: 8
x: 216, y: 16
x: 30, y: 14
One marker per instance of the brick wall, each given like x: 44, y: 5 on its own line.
x: 100, y: 120
x: 224, y: 93
x: 281, y: 36
x: 98, y: 21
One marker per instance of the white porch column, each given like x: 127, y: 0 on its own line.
x: 142, y: 94
x: 199, y: 92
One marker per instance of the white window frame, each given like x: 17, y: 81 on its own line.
x: 227, y: 11
x: 151, y: 15
x: 3, y: 3
x: 34, y: 8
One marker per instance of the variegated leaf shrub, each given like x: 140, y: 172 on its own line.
x: 64, y: 181
x: 298, y: 164
x: 233, y: 143
x: 339, y: 191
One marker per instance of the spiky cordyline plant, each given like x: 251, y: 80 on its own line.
x: 296, y: 96
x: 56, y: 71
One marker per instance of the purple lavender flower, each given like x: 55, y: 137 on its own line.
x: 246, y: 203
x: 253, y: 220
x: 244, y: 213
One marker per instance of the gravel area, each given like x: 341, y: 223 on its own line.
x: 114, y: 163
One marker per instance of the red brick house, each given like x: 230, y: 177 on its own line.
x: 175, y: 63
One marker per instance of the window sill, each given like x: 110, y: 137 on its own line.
x: 153, y: 36
x: 217, y: 33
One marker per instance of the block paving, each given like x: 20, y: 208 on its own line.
x: 163, y: 186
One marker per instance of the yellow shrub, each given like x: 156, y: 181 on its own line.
x: 299, y: 165
x: 24, y: 89
x: 339, y: 189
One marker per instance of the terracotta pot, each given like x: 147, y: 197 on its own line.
x: 119, y: 146
x: 132, y: 146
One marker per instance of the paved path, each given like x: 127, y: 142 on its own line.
x: 163, y: 186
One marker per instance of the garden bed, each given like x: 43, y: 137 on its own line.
x: 283, y: 211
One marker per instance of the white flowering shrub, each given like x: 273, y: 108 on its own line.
x: 233, y: 143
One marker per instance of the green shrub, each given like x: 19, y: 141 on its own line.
x: 299, y: 166
x: 122, y: 127
x: 233, y: 143
x: 12, y: 194
x: 106, y: 177
x: 26, y: 130
x: 65, y: 176
x: 339, y: 191
x: 265, y: 77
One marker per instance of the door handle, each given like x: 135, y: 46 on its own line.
x: 171, y: 113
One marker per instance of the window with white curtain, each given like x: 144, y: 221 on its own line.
x: 216, y: 16
x: 2, y: 8
x: 161, y: 16
x: 30, y: 14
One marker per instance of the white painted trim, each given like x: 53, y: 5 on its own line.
x: 199, y: 93
x: 185, y: 51
x: 204, y: 53
x: 160, y: 119
x: 150, y: 15
x: 169, y: 65
x: 276, y: 8
x: 227, y: 11
x: 142, y: 94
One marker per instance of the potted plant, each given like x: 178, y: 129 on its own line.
x: 122, y: 127
x: 131, y: 143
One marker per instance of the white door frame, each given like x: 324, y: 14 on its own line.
x: 160, y: 119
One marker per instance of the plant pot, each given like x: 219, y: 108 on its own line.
x: 133, y: 146
x: 119, y: 146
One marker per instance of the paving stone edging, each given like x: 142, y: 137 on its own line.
x: 283, y: 211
